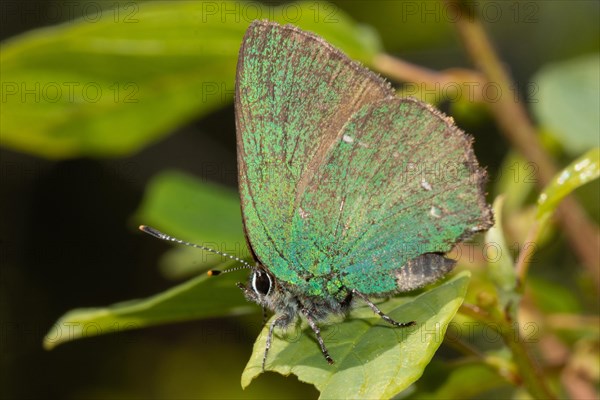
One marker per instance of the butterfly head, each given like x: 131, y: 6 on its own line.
x: 261, y: 282
x: 264, y: 289
x: 261, y: 286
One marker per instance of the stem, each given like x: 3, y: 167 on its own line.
x: 504, y: 368
x: 455, y: 341
x: 574, y: 322
x: 475, y: 312
x: 533, y: 378
x: 529, y: 372
x: 515, y: 124
x: 403, y: 71
x: 522, y: 264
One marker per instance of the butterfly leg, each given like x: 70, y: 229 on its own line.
x: 377, y: 311
x: 264, y: 313
x: 280, y: 321
x: 317, y: 332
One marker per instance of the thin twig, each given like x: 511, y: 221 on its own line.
x: 475, y: 312
x: 524, y: 258
x: 463, y: 81
x: 503, y: 367
x: 529, y: 372
x: 454, y: 340
x: 574, y: 322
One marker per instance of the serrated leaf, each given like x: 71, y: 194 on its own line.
x: 581, y: 171
x: 202, y: 297
x: 372, y: 359
x: 111, y: 85
x: 568, y: 102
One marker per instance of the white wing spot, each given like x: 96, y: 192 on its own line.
x: 435, y: 212
x: 303, y: 214
x: 346, y: 227
x: 347, y: 139
x: 425, y: 185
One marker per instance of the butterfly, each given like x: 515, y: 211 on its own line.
x: 345, y: 188
x: 348, y: 192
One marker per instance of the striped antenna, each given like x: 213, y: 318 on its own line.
x: 163, y: 236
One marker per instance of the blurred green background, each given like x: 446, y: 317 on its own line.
x: 68, y: 239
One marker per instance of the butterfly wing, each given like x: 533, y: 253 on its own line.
x: 294, y: 93
x: 400, y: 181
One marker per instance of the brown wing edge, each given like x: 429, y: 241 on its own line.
x: 477, y: 172
x: 429, y: 267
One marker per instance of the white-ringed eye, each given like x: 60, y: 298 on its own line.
x: 261, y: 283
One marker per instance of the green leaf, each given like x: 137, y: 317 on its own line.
x: 202, y: 212
x: 372, y: 359
x: 568, y: 101
x: 581, y: 171
x: 109, y: 86
x: 185, y: 206
x: 202, y: 297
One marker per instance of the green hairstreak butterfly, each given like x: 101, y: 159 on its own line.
x: 347, y: 191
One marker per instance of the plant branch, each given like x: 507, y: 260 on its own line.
x: 475, y: 312
x: 533, y: 378
x: 431, y: 81
x: 529, y: 372
x: 524, y: 258
x: 504, y: 368
x: 454, y: 340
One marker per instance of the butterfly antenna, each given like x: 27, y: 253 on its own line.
x: 163, y: 236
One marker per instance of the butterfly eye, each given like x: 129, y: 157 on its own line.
x: 261, y: 283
